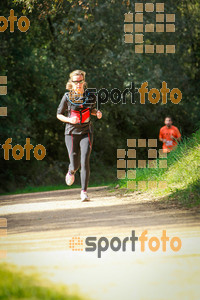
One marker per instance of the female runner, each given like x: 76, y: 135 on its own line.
x: 80, y: 105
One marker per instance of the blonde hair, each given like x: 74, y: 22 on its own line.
x: 76, y: 72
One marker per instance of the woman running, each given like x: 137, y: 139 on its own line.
x: 80, y: 105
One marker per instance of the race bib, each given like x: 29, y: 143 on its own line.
x: 169, y: 143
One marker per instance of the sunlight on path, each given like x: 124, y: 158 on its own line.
x: 41, y: 225
x: 124, y: 275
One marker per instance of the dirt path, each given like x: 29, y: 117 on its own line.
x: 52, y: 216
x: 40, y: 226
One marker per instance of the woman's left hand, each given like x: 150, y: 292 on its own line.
x: 99, y: 114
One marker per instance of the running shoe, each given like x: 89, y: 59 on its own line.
x: 69, y: 178
x: 84, y: 196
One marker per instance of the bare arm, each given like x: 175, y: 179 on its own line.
x: 162, y: 140
x: 175, y: 139
x: 64, y: 119
x: 94, y: 112
x: 97, y: 113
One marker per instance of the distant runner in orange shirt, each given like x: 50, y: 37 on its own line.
x: 169, y: 135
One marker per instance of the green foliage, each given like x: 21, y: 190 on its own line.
x: 15, y: 284
x: 182, y: 175
x: 88, y: 35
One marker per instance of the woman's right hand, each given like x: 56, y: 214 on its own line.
x: 74, y: 120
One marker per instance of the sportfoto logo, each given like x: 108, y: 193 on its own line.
x: 154, y: 95
x: 18, y: 150
x: 135, y: 27
x: 3, y: 91
x: 76, y: 98
x: 115, y: 244
x: 127, y: 159
x: 23, y: 23
x: 3, y: 233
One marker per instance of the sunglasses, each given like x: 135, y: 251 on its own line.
x: 76, y: 82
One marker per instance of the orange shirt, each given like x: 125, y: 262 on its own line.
x: 166, y: 133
